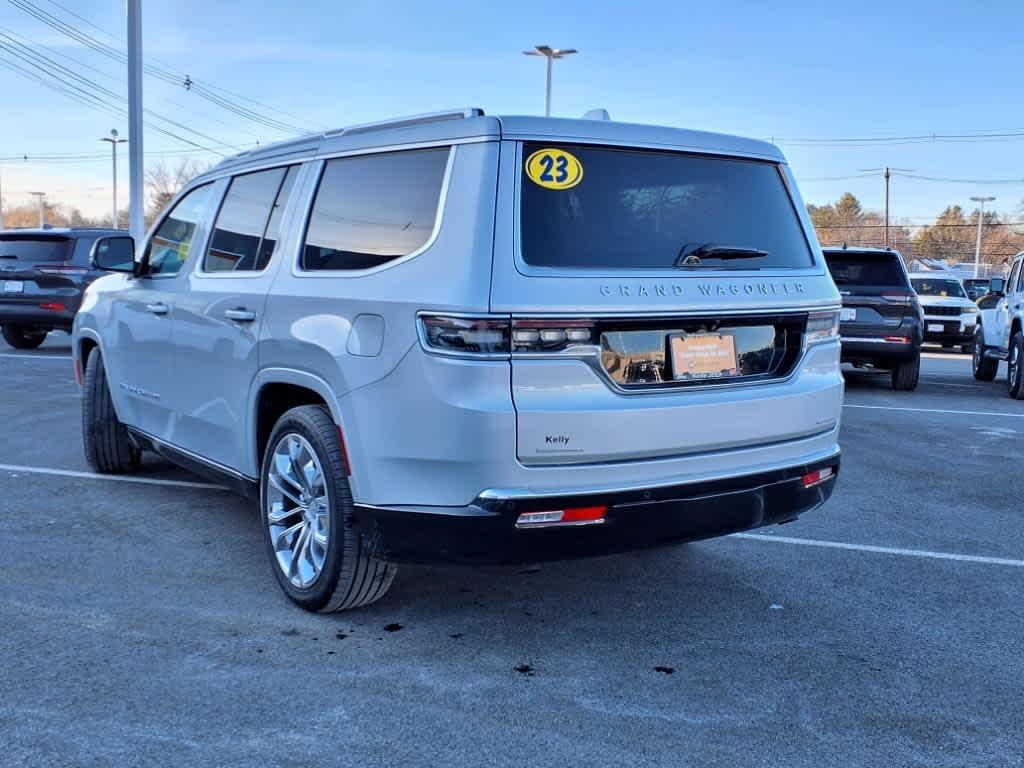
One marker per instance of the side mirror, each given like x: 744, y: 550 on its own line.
x: 997, y: 285
x: 114, y: 254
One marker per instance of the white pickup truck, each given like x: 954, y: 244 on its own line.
x: 1000, y: 332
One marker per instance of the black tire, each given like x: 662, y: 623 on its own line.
x: 353, y: 573
x: 966, y: 349
x: 21, y: 337
x: 905, y: 376
x: 1015, y: 371
x: 108, y: 448
x: 985, y: 368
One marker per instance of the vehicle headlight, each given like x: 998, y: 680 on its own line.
x: 821, y: 327
x: 970, y: 310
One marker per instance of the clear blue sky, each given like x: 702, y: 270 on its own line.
x: 782, y: 70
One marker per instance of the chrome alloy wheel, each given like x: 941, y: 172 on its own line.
x: 297, y: 507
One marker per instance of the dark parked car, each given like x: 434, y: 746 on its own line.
x: 43, y: 273
x: 881, y: 321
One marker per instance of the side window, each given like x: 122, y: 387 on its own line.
x: 1011, y: 283
x: 242, y: 237
x: 373, y: 209
x: 83, y: 248
x: 169, y: 247
x: 1019, y: 266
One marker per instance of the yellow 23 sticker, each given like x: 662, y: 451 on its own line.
x: 554, y: 169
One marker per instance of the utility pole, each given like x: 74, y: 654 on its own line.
x: 981, y: 220
x: 41, y: 197
x: 136, y: 222
x: 114, y: 141
x: 886, y: 175
x: 550, y: 54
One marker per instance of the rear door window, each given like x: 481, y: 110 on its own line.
x: 240, y: 236
x: 865, y: 269
x: 599, y: 208
x: 34, y: 248
x: 372, y: 209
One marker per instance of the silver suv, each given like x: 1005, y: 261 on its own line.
x: 482, y: 339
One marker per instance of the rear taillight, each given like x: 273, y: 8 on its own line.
x: 899, y: 297
x: 550, y: 335
x: 492, y: 336
x: 63, y: 270
x: 471, y: 336
x: 822, y: 327
x: 53, y: 307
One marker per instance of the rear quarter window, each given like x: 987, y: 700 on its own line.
x: 373, y: 209
x: 852, y: 268
x: 640, y: 209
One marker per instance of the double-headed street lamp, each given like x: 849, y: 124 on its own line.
x: 550, y: 54
x: 114, y: 141
x: 981, y: 218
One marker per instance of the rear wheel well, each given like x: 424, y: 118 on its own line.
x: 274, y: 400
x: 84, y: 350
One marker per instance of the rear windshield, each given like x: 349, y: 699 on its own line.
x: 939, y: 287
x: 585, y: 207
x: 34, y: 248
x: 852, y: 268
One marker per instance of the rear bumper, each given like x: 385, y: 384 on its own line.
x: 867, y: 349
x: 485, y: 531
x: 34, y: 315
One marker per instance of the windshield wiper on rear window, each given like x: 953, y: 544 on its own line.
x: 693, y: 254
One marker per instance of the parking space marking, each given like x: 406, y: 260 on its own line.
x: 921, y: 553
x: 114, y: 478
x: 935, y: 410
x: 16, y: 356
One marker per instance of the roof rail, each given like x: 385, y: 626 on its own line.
x: 404, y: 122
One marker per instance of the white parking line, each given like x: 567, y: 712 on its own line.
x: 15, y: 468
x: 924, y: 553
x: 935, y: 410
x: 16, y: 356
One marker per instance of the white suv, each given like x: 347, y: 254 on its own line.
x: 1000, y: 333
x: 468, y: 338
x: 950, y: 315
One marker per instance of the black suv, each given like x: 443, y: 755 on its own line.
x: 43, y: 273
x: 881, y: 321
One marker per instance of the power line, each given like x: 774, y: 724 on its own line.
x: 173, y: 78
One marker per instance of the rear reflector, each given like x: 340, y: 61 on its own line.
x: 818, y: 477
x: 897, y: 339
x: 572, y: 516
x: 53, y: 307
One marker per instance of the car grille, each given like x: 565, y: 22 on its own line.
x: 942, y: 311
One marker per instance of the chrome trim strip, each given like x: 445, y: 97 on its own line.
x: 194, y: 456
x: 866, y: 340
x: 513, y: 494
x: 567, y: 524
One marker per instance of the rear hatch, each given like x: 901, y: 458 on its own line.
x: 658, y: 302
x: 876, y: 293
x: 35, y: 267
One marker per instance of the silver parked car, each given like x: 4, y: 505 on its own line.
x: 482, y: 339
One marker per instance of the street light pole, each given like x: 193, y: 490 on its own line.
x: 550, y: 54
x: 981, y: 220
x: 114, y: 141
x: 136, y: 222
x: 41, y: 197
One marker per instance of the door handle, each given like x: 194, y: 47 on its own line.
x: 240, y: 315
x: 158, y: 309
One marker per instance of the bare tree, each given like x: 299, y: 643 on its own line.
x: 164, y: 181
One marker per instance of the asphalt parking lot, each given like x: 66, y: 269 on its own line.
x: 140, y: 623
